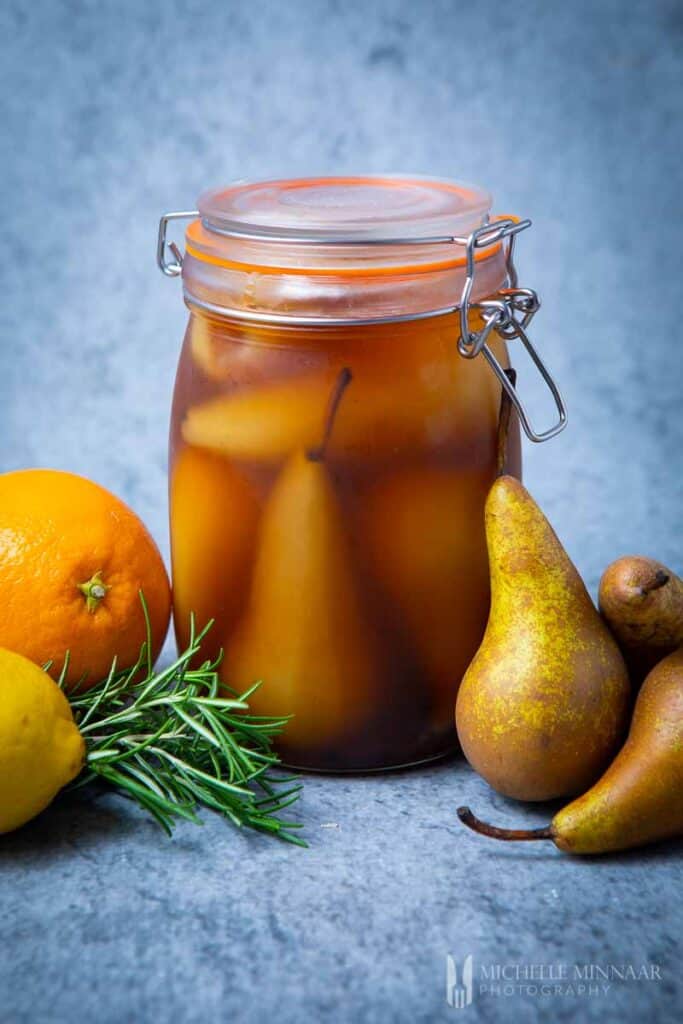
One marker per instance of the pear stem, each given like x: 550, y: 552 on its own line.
x: 660, y: 580
x: 504, y: 423
x: 342, y: 382
x: 469, y: 819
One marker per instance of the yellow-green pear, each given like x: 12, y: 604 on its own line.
x: 544, y: 705
x: 642, y: 602
x: 639, y: 799
x: 306, y: 632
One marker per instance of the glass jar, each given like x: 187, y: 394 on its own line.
x: 333, y: 440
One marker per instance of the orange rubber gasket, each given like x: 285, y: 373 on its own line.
x: 195, y: 229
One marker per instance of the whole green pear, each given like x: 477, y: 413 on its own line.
x: 544, y: 704
x: 642, y: 602
x: 639, y: 799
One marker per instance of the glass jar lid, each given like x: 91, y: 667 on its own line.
x: 339, y: 224
x: 357, y: 247
x: 351, y: 251
x: 346, y: 210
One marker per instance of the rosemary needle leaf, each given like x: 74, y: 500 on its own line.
x: 176, y: 740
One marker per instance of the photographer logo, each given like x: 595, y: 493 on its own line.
x: 507, y: 979
x: 459, y: 994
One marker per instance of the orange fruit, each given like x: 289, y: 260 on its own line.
x: 73, y: 559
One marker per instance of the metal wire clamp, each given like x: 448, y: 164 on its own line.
x: 508, y: 314
x: 171, y: 268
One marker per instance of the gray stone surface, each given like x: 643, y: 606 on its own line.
x: 114, y: 112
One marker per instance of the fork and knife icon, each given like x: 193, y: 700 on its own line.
x: 459, y: 995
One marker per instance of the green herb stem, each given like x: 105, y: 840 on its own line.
x: 172, y: 741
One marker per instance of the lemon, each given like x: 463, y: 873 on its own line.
x: 41, y: 748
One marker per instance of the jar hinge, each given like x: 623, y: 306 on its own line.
x: 172, y: 268
x: 509, y: 315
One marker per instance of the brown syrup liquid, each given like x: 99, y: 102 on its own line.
x: 355, y: 587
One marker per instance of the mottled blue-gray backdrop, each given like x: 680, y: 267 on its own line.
x: 568, y: 111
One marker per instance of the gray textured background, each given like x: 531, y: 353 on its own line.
x: 115, y: 112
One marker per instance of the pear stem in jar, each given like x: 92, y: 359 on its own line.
x: 342, y: 382
x: 504, y: 423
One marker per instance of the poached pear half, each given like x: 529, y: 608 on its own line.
x: 306, y: 632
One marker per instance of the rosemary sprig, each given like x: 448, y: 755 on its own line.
x: 172, y: 741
